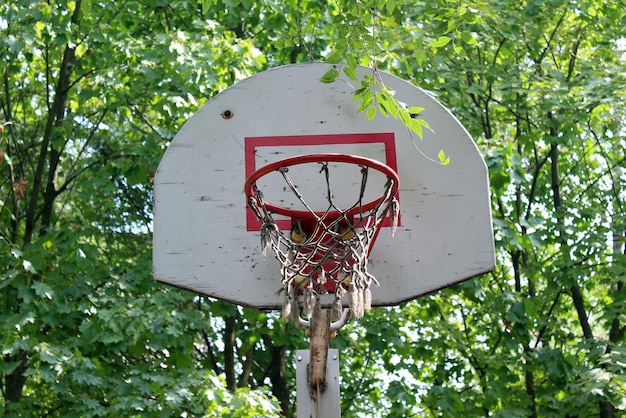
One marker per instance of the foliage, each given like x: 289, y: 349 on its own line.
x: 92, y: 93
x: 362, y: 29
x: 542, y: 89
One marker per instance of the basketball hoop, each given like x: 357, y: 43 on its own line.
x: 203, y: 235
x: 327, y: 250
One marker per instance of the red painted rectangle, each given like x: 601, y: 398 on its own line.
x: 386, y: 139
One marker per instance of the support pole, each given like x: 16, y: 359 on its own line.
x: 328, y: 404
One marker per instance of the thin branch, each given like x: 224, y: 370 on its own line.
x: 91, y: 135
x: 547, y: 317
x: 607, y: 160
x: 538, y: 167
x: 574, y: 56
x: 549, y: 39
x: 144, y: 119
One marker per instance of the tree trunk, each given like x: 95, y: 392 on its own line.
x: 229, y: 352
x: 530, y: 391
x: 15, y: 381
x: 276, y: 373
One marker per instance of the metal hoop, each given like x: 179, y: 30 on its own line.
x: 249, y: 186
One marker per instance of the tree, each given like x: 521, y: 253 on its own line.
x: 91, y: 95
x: 541, y: 88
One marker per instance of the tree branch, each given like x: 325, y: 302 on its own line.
x: 575, y: 290
x: 55, y: 115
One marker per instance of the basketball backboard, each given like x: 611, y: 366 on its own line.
x: 208, y: 241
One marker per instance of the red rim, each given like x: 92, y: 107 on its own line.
x: 317, y: 158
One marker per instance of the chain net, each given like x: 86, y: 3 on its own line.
x: 326, y: 252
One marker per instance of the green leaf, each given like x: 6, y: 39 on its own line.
x: 366, y: 101
x: 85, y: 8
x: 28, y: 266
x: 8, y: 160
x: 6, y: 368
x: 458, y: 49
x: 352, y: 61
x: 371, y: 113
x: 440, y: 42
x: 335, y: 58
x: 443, y: 158
x: 469, y: 39
x: 530, y: 309
x: 330, y: 76
x: 415, y: 110
x: 84, y: 378
x: 382, y: 107
x: 43, y: 290
x: 351, y: 72
x: 391, y: 106
x: 416, y: 127
x: 423, y: 123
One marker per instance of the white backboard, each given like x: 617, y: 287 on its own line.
x: 207, y: 240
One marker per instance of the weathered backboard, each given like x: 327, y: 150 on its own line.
x: 207, y: 240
